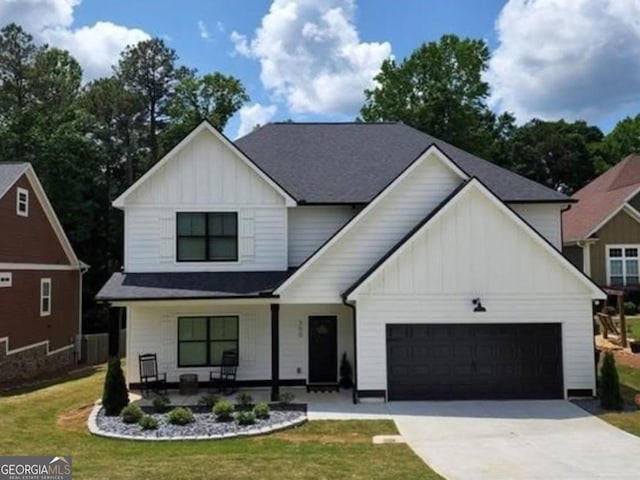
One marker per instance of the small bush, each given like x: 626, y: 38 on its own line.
x: 180, y: 416
x: 246, y: 418
x: 610, y: 398
x: 244, y: 399
x: 261, y: 410
x: 630, y: 308
x: 223, y: 411
x: 161, y: 404
x: 286, y: 398
x: 131, y: 413
x: 209, y: 400
x: 115, y: 396
x: 147, y: 422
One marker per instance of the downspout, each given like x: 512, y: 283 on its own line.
x: 81, y: 271
x: 355, y: 352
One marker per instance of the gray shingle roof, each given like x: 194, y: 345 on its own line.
x: 352, y: 162
x: 189, y: 285
x: 9, y: 173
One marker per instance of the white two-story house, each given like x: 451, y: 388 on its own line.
x: 437, y: 273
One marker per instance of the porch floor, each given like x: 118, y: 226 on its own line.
x: 320, y: 405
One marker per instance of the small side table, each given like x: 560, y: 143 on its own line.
x: 188, y: 384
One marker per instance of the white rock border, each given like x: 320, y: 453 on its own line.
x: 96, y: 430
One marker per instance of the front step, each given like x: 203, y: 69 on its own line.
x: 323, y: 387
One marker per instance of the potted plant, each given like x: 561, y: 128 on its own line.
x: 635, y: 346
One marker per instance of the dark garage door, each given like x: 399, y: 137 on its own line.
x: 491, y: 361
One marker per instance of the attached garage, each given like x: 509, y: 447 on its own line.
x: 467, y: 361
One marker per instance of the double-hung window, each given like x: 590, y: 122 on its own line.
x: 22, y: 202
x: 622, y: 265
x: 207, y: 237
x: 45, y: 297
x: 202, y: 340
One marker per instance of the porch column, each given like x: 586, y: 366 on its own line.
x: 275, y: 352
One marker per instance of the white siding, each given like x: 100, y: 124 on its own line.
x: 374, y: 233
x: 545, y: 218
x: 474, y: 250
x: 311, y: 226
x: 155, y: 330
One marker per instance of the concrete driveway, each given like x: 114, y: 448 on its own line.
x: 511, y: 440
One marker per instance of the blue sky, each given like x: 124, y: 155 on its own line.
x: 311, y: 59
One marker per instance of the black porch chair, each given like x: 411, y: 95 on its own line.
x: 224, y: 379
x: 150, y: 378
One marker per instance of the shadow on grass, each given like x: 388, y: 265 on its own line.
x: 38, y: 384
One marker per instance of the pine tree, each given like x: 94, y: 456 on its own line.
x: 115, y: 396
x: 610, y: 398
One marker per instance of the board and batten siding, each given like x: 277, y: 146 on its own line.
x: 311, y: 226
x: 205, y: 176
x: 474, y: 249
x: 546, y: 218
x: 374, y: 233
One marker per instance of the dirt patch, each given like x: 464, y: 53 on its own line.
x: 76, y: 419
x: 296, y: 437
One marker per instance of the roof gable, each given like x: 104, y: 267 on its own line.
x: 9, y: 174
x: 601, y: 199
x: 469, y: 221
x: 353, y: 162
x: 226, y: 153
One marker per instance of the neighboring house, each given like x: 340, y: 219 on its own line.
x: 601, y: 232
x: 299, y: 242
x: 40, y: 281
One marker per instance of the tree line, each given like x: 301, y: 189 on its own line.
x: 89, y: 142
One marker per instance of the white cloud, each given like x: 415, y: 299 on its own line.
x: 311, y: 55
x: 96, y: 47
x: 252, y: 115
x: 566, y: 58
x: 202, y: 30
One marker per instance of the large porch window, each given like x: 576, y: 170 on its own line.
x: 622, y: 265
x: 202, y: 340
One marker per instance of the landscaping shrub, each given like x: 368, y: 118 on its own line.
x: 261, y: 410
x: 115, y: 396
x: 147, y: 422
x: 610, y: 397
x: 244, y: 400
x: 223, y: 411
x: 346, y: 372
x: 286, y: 398
x: 180, y: 416
x: 131, y: 413
x: 246, y: 418
x: 161, y: 404
x: 610, y: 310
x: 209, y: 400
x: 630, y: 308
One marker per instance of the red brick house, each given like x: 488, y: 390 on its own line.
x: 40, y: 281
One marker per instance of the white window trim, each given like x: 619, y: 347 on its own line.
x: 25, y: 192
x: 622, y: 246
x: 43, y: 282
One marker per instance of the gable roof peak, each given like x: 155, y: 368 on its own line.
x: 627, y: 172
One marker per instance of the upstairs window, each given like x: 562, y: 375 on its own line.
x: 45, y: 297
x: 207, y: 237
x: 22, y: 202
x: 622, y: 265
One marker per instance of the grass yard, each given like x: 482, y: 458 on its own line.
x: 52, y: 421
x: 633, y: 327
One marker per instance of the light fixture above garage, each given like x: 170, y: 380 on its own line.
x: 478, y: 305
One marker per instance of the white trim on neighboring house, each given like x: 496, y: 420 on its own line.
x: 596, y: 292
x: 20, y: 202
x: 36, y: 266
x: 8, y: 351
x: 45, y: 312
x: 621, y: 246
x: 432, y: 149
x: 586, y: 258
x: 624, y: 205
x: 289, y: 200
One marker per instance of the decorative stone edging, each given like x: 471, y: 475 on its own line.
x: 96, y: 430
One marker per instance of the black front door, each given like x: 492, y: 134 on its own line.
x: 323, y: 350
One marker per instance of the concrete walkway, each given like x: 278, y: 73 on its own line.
x: 516, y: 440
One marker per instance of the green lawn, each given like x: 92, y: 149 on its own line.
x: 630, y: 386
x: 633, y: 327
x: 52, y: 421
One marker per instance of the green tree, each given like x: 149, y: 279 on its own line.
x: 610, y: 397
x: 559, y: 154
x: 148, y: 69
x: 214, y: 97
x: 115, y: 396
x: 621, y: 141
x: 438, y: 89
